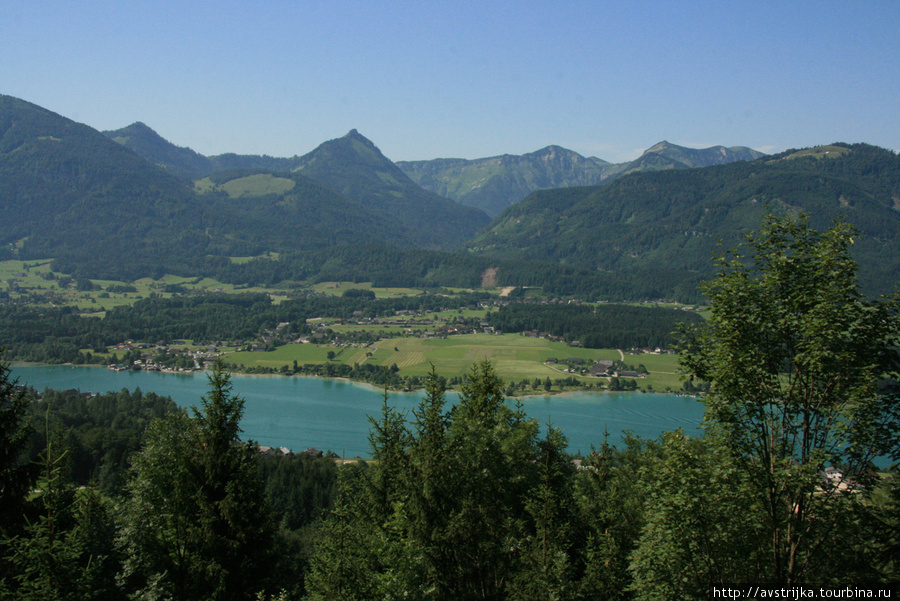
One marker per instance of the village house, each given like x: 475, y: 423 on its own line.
x: 601, y: 368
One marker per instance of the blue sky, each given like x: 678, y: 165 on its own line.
x: 424, y: 80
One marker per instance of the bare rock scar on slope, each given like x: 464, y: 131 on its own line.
x: 489, y: 278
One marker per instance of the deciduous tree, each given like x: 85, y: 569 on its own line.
x: 794, y: 353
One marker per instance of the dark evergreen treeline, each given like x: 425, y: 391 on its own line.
x: 603, y: 326
x: 99, y: 432
x: 50, y: 335
x: 126, y: 484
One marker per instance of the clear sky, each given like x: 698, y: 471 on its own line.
x: 426, y: 79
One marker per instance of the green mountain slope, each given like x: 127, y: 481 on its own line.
x: 661, y: 228
x: 185, y: 162
x: 66, y: 190
x: 354, y: 167
x: 496, y: 183
x: 69, y: 192
x: 145, y: 142
x: 288, y: 212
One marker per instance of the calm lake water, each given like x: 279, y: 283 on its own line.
x: 302, y: 412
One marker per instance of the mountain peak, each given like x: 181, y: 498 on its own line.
x: 139, y: 125
x: 660, y: 146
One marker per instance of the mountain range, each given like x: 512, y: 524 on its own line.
x: 491, y: 184
x: 496, y: 183
x: 68, y: 191
x: 129, y: 204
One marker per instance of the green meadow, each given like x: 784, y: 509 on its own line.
x: 515, y: 357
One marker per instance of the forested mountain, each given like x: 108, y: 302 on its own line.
x: 67, y: 191
x: 662, y: 227
x: 346, y: 212
x: 70, y: 193
x: 145, y: 142
x: 495, y: 183
x: 491, y: 184
x: 185, y: 162
x: 353, y: 166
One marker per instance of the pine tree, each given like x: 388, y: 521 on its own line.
x: 345, y: 563
x: 16, y: 475
x: 197, y: 525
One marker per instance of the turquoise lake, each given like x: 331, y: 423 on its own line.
x: 303, y: 412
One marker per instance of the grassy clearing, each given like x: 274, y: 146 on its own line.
x: 515, y: 357
x: 242, y: 260
x: 338, y: 288
x: 820, y: 152
x: 257, y: 185
x: 283, y: 355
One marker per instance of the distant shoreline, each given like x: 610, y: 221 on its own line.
x: 380, y: 389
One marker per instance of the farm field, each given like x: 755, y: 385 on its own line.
x: 515, y: 357
x: 338, y: 288
x: 663, y: 370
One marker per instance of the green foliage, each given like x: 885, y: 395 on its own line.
x: 196, y: 523
x: 603, y: 326
x: 16, y: 476
x: 298, y: 488
x: 345, y: 559
x: 703, y: 525
x: 66, y: 550
x: 794, y: 354
x: 546, y: 570
x: 452, y: 507
x: 101, y: 432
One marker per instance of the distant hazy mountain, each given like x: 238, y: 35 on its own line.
x: 496, y: 183
x: 671, y: 156
x: 661, y: 228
